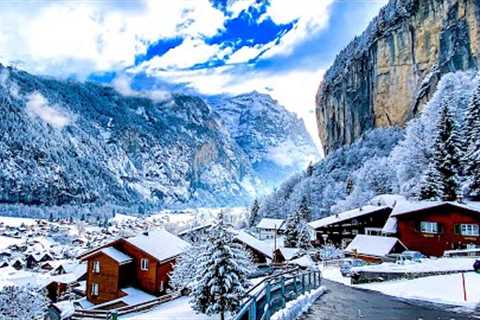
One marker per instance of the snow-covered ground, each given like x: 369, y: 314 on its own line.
x: 447, y: 289
x: 299, y: 306
x: 178, y: 309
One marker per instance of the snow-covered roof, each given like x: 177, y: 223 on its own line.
x: 160, y: 244
x: 262, y: 247
x: 304, y: 261
x: 372, y: 245
x: 389, y: 200
x: 289, y: 253
x: 113, y: 253
x: 390, y: 226
x: 407, y: 206
x: 355, y: 213
x: 271, y: 224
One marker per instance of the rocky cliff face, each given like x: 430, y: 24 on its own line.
x: 383, y: 77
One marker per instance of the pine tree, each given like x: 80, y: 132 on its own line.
x: 185, y: 270
x: 221, y: 274
x: 304, y: 210
x: 310, y: 169
x: 441, y: 178
x: 252, y: 218
x: 297, y: 234
x: 18, y: 302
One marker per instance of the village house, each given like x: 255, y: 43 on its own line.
x: 268, y: 228
x: 340, y: 229
x: 139, y: 265
x: 374, y: 248
x: 432, y: 227
x: 260, y: 251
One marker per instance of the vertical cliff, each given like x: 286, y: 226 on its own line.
x: 383, y: 77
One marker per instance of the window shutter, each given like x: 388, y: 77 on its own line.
x: 440, y: 227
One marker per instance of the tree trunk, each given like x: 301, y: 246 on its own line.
x: 222, y: 315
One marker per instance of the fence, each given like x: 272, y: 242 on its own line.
x: 463, y: 253
x: 274, y: 292
x: 114, y: 314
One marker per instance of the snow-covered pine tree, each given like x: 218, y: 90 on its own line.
x: 186, y: 266
x: 221, y: 274
x: 297, y: 234
x: 252, y: 218
x: 22, y: 302
x: 441, y: 178
x: 304, y: 209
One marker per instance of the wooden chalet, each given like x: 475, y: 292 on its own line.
x: 139, y: 264
x: 340, y: 229
x: 268, y: 228
x: 260, y: 251
x: 433, y: 227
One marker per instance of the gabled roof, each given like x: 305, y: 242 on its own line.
x: 260, y: 246
x: 272, y: 224
x: 160, y: 244
x: 351, y: 214
x: 289, y: 253
x: 373, y: 245
x: 406, y: 207
x: 115, y: 254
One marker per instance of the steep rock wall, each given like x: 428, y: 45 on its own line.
x: 384, y: 77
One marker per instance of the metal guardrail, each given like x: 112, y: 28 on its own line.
x: 462, y: 253
x: 274, y: 292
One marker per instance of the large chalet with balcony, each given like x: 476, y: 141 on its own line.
x: 137, y: 264
x: 433, y: 227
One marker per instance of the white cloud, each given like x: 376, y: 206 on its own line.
x: 289, y: 154
x: 189, y: 53
x: 311, y: 15
x: 64, y: 37
x: 123, y: 85
x: 37, y: 106
x: 245, y: 53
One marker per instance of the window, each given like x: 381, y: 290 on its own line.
x: 469, y: 230
x: 94, y: 289
x: 96, y: 266
x: 144, y: 264
x: 428, y: 227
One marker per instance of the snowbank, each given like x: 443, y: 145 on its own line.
x: 297, y: 307
x: 427, y: 265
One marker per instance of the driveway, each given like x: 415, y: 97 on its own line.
x: 341, y: 302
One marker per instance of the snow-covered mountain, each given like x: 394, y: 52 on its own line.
x: 72, y: 143
x: 274, y: 139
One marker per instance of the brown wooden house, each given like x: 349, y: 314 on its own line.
x: 340, y: 229
x: 434, y: 227
x: 142, y: 262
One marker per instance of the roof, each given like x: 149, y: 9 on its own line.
x: 113, y: 253
x: 355, y: 213
x: 262, y: 247
x: 406, y: 206
x: 390, y: 226
x: 160, y: 244
x: 289, y: 253
x: 373, y: 245
x: 269, y: 223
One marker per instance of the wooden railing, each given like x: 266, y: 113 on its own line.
x: 274, y: 292
x: 115, y: 313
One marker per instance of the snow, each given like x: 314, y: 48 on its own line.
x: 446, y: 289
x: 373, y: 245
x: 116, y: 255
x: 16, y: 222
x: 271, y: 224
x: 294, y: 309
x: 178, y: 309
x: 265, y: 248
x: 304, y: 261
x: 389, y: 200
x: 5, y: 242
x: 426, y: 265
x: 406, y: 206
x: 336, y: 218
x: 66, y: 308
x: 160, y: 244
x: 289, y: 253
x: 333, y: 273
x: 9, y: 276
x: 390, y: 226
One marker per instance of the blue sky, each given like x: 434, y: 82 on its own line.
x: 281, y: 47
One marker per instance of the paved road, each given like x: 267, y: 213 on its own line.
x: 345, y: 303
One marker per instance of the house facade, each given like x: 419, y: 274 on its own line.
x: 340, y: 229
x: 143, y: 262
x: 268, y: 228
x: 434, y: 227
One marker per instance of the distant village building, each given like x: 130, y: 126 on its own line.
x: 138, y: 265
x: 432, y: 227
x: 260, y: 251
x: 340, y: 229
x: 195, y: 234
x: 267, y: 228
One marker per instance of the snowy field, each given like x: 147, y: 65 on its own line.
x: 427, y: 265
x: 178, y: 309
x: 445, y: 289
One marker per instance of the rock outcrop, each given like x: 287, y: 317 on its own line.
x: 384, y: 77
